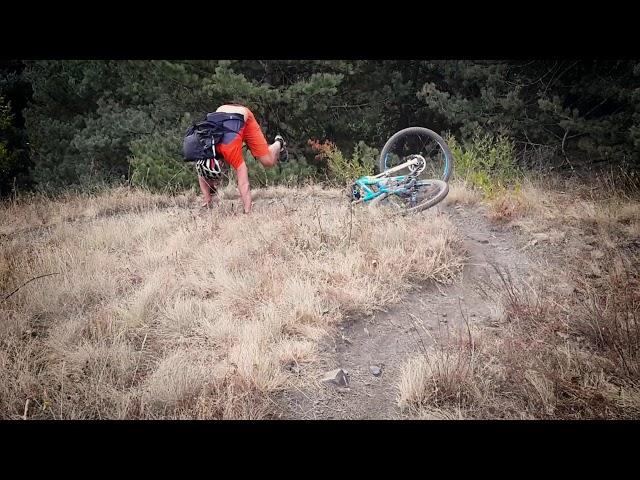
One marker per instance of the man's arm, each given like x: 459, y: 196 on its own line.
x: 243, y: 187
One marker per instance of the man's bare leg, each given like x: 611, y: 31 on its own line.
x: 275, y: 150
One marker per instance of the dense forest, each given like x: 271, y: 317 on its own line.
x: 76, y: 124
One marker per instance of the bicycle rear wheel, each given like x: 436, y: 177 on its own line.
x: 418, y: 141
x: 427, y: 194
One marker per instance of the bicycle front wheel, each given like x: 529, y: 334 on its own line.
x: 418, y: 141
x: 427, y: 194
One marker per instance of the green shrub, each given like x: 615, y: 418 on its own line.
x: 345, y: 170
x: 295, y: 171
x: 157, y: 162
x: 487, y: 161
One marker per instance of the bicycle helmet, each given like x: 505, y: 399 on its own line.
x: 210, y: 168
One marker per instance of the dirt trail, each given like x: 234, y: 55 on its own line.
x: 388, y: 338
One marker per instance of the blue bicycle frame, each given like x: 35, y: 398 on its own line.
x: 382, y: 185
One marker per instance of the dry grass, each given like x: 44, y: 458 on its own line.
x: 535, y: 208
x: 39, y: 211
x: 566, y: 346
x: 440, y: 377
x: 452, y: 378
x: 549, y: 356
x: 162, y: 311
x: 461, y: 193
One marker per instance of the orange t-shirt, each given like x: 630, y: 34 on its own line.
x: 250, y: 133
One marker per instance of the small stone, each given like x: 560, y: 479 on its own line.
x: 444, y: 314
x: 597, y: 254
x: 375, y: 370
x: 336, y: 377
x: 366, y: 330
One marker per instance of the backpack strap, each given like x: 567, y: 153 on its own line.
x: 229, y: 122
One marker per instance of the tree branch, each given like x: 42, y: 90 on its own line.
x: 28, y: 281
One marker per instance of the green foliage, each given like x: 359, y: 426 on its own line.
x: 106, y: 115
x: 7, y: 161
x: 95, y: 110
x: 341, y: 169
x: 157, y: 162
x: 11, y: 160
x: 487, y: 161
x: 296, y: 171
x: 587, y: 111
x: 97, y: 121
x: 14, y: 155
x: 363, y: 160
x: 5, y: 115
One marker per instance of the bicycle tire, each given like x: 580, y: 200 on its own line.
x: 407, y: 132
x: 444, y: 190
